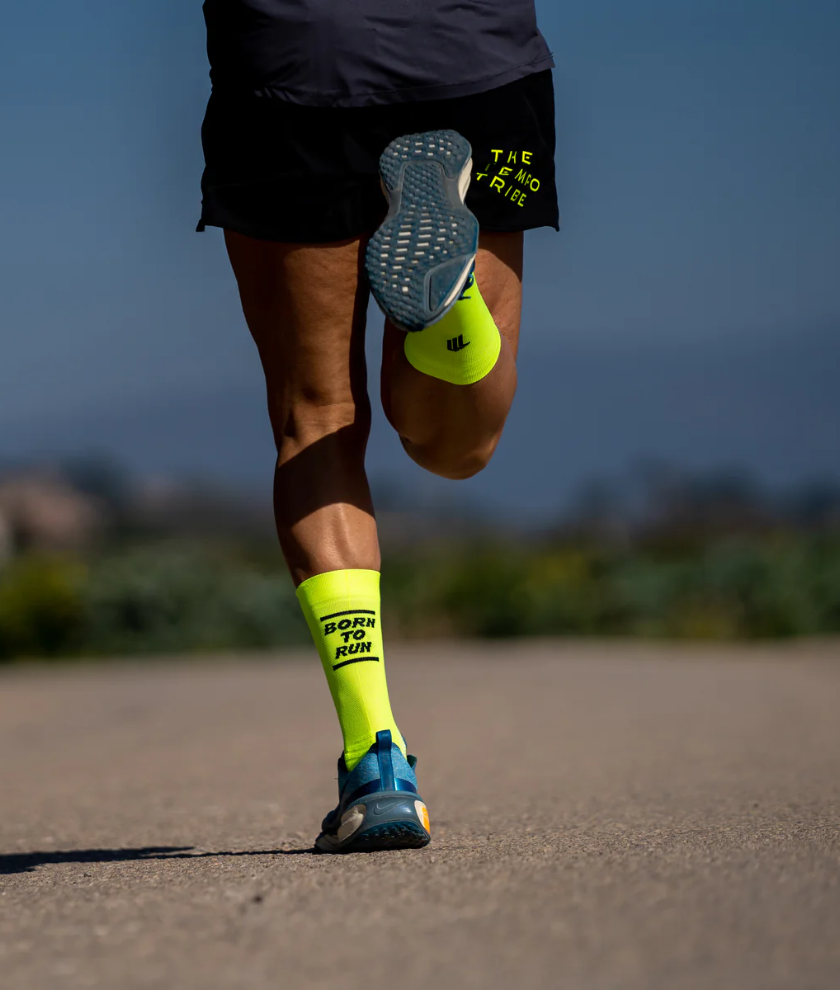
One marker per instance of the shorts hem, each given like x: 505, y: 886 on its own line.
x: 246, y: 230
x: 520, y: 229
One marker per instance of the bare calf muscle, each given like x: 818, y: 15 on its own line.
x: 305, y: 307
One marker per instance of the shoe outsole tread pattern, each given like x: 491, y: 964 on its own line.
x: 389, y: 835
x: 426, y: 245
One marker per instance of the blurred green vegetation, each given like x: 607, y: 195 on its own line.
x: 172, y: 597
x: 144, y: 600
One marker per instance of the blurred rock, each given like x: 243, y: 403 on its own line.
x: 40, y: 510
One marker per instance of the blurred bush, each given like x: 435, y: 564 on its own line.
x: 167, y: 598
x: 42, y: 613
x: 144, y: 600
x: 738, y: 588
x: 163, y: 600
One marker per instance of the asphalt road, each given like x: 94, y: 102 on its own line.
x: 603, y: 816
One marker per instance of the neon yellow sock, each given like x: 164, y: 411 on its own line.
x: 342, y: 610
x: 460, y: 348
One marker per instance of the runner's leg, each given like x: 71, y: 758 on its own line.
x: 453, y: 430
x: 305, y: 306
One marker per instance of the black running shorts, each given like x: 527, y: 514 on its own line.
x: 279, y: 171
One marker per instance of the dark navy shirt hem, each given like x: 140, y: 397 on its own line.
x: 415, y: 94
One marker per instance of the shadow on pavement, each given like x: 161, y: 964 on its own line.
x: 27, y: 862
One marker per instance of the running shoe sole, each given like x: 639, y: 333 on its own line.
x: 421, y: 255
x: 384, y: 820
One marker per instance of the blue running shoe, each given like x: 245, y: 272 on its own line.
x: 418, y: 260
x: 378, y: 804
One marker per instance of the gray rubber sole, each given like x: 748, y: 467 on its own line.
x: 387, y: 820
x: 418, y: 260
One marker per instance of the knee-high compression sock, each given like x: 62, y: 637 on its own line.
x: 342, y: 610
x: 462, y: 347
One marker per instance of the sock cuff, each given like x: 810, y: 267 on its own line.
x: 335, y: 585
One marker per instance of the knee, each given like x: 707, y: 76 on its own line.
x: 309, y: 415
x: 455, y: 464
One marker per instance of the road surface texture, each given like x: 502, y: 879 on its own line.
x: 604, y: 816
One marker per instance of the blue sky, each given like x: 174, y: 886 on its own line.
x: 698, y: 164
